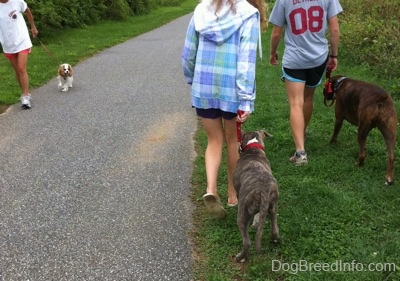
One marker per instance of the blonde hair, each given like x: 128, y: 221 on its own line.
x: 219, y: 3
x: 261, y: 6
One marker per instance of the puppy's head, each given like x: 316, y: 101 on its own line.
x: 255, y: 137
x: 65, y: 70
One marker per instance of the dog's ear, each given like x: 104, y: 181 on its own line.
x: 70, y: 70
x: 60, y: 70
x: 267, y: 135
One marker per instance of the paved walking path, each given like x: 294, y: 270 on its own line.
x: 95, y: 182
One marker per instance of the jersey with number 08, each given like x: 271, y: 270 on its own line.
x: 305, y: 23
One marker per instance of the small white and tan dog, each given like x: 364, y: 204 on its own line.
x: 65, y: 77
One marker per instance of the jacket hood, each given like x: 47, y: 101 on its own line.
x: 218, y: 27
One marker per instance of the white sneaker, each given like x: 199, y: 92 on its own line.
x: 26, y: 101
x: 299, y: 159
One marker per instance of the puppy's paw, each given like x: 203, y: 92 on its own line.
x: 64, y: 89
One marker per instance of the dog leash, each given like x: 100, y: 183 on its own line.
x: 239, y: 130
x: 48, y: 51
x: 329, y: 93
x: 239, y: 127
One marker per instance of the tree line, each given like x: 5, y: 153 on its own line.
x: 53, y: 15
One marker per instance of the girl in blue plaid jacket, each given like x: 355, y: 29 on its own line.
x: 218, y: 61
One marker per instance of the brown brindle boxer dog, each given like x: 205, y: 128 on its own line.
x: 257, y: 191
x: 366, y: 106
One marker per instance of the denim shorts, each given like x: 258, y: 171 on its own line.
x: 214, y: 113
x: 311, y: 76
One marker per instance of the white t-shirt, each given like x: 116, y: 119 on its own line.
x: 14, y: 34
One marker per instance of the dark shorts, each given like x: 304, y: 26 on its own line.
x: 312, y: 77
x: 213, y: 113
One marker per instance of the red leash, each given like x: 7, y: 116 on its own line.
x: 328, y: 91
x: 239, y: 127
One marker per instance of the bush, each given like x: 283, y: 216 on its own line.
x: 59, y: 14
x: 139, y: 7
x: 53, y: 15
x: 118, y: 9
x: 165, y: 3
x: 370, y: 31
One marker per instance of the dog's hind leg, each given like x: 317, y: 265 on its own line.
x: 260, y: 227
x: 243, y: 221
x: 389, y: 134
x: 273, y: 213
x: 336, y: 130
x: 363, y: 131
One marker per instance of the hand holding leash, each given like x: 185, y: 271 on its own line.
x: 328, y: 91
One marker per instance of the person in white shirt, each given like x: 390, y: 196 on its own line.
x: 15, y: 41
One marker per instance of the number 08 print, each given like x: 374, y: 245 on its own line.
x: 302, y: 20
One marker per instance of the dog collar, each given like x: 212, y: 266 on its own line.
x: 338, y: 82
x: 253, y: 145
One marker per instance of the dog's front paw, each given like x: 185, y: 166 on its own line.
x: 64, y: 89
x: 240, y: 258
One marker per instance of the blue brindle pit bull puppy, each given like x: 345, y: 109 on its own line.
x: 257, y: 191
x: 366, y: 106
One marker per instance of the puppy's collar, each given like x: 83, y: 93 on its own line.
x: 252, y: 145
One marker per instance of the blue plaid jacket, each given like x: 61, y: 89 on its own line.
x: 219, y: 59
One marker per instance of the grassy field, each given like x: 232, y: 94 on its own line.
x: 330, y: 211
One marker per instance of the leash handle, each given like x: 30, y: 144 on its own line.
x: 239, y: 127
x: 328, y: 91
x: 328, y: 72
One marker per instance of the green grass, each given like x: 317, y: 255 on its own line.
x: 329, y: 210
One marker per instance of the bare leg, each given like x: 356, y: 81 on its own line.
x: 213, y: 154
x: 233, y: 156
x: 295, y: 92
x: 19, y: 64
x: 301, y: 102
